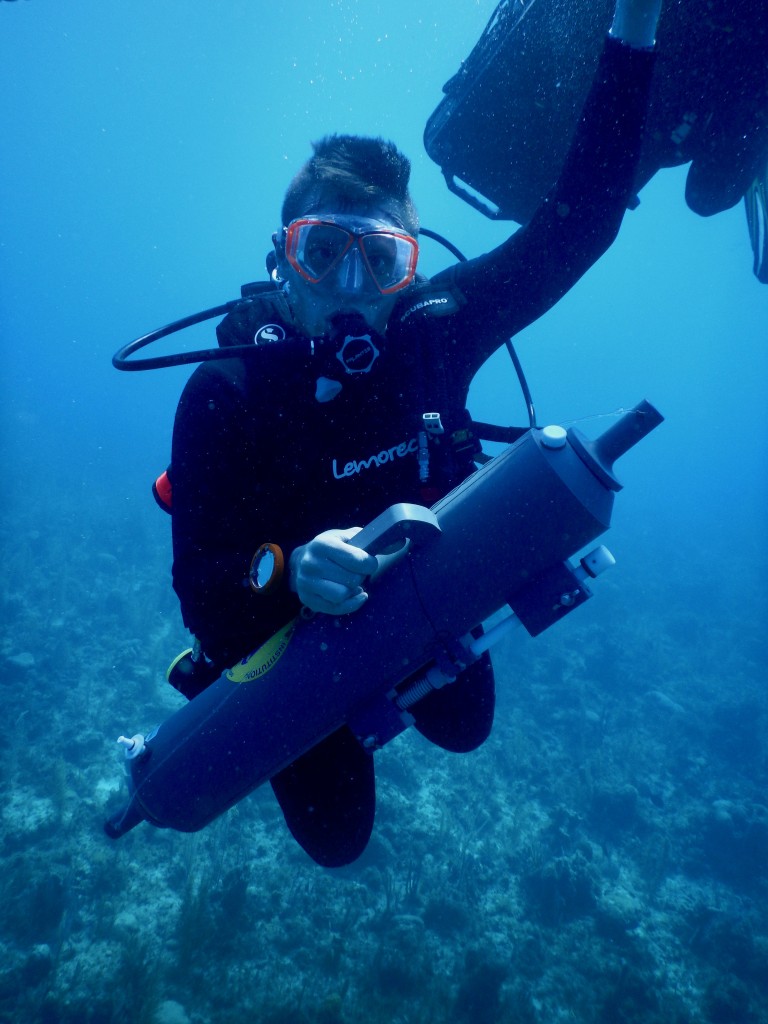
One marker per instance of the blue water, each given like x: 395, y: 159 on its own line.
x: 603, y: 857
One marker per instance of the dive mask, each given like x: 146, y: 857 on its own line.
x: 353, y: 254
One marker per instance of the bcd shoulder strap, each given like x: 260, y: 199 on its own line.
x: 261, y: 317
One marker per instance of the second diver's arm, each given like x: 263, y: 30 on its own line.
x: 514, y: 284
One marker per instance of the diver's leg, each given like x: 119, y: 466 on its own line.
x: 459, y: 716
x: 729, y: 159
x: 328, y: 798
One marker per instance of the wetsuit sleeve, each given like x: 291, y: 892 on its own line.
x: 513, y: 285
x: 219, y: 505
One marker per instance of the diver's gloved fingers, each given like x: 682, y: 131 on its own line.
x: 332, y: 599
x: 314, y: 568
x: 332, y: 551
x: 337, y: 547
x: 328, y: 573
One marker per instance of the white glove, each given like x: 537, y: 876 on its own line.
x: 634, y: 22
x: 328, y: 573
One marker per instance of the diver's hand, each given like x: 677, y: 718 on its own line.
x: 328, y: 573
x: 635, y: 21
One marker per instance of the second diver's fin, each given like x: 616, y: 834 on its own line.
x: 756, y: 205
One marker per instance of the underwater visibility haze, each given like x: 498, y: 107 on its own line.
x: 602, y: 859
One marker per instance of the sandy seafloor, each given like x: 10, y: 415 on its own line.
x: 602, y: 859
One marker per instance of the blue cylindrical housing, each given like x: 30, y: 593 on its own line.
x: 527, y: 510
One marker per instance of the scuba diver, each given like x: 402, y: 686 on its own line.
x: 359, y: 401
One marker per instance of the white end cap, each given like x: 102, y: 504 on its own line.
x: 598, y: 561
x: 133, y: 746
x: 553, y: 437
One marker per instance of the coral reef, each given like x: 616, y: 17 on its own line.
x: 601, y: 860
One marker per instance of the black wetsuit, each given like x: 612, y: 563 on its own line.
x: 257, y: 457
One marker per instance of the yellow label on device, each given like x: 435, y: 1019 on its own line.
x: 256, y: 665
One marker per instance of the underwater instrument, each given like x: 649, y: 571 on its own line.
x: 503, y: 537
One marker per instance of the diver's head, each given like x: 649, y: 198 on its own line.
x: 348, y: 243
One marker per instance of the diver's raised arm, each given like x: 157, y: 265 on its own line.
x: 635, y: 21
x: 579, y: 217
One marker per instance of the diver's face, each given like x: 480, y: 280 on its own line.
x: 352, y: 262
